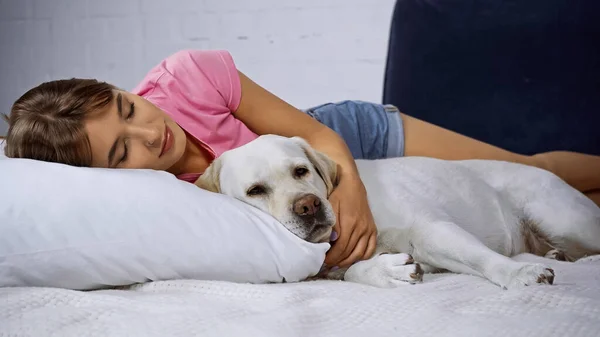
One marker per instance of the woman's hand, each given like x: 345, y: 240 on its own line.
x: 355, y: 227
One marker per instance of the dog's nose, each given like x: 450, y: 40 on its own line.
x: 307, y: 205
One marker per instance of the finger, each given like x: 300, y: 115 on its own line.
x: 358, y: 233
x: 333, y: 252
x: 371, y: 247
x: 357, y: 253
x: 351, y: 247
x: 336, y: 211
x: 336, y: 253
x: 333, y: 256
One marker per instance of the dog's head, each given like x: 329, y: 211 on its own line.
x: 282, y: 176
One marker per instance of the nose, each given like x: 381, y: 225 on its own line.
x: 149, y: 134
x: 307, y: 205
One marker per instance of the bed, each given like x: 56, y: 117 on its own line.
x: 444, y: 305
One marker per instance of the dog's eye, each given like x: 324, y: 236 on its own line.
x: 256, y: 190
x: 300, y: 171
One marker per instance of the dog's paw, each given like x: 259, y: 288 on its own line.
x: 530, y: 274
x: 557, y: 255
x: 398, y: 269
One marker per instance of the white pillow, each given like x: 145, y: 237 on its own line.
x: 2, y: 156
x: 84, y: 228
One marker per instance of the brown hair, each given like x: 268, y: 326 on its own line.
x: 46, y: 123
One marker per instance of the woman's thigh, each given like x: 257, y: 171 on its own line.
x: 428, y: 140
x: 371, y: 131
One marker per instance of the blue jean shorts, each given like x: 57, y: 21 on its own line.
x: 371, y: 131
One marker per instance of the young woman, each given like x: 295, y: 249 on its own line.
x: 195, y: 105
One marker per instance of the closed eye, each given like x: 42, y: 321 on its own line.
x: 125, y: 153
x: 131, y: 111
x: 256, y: 190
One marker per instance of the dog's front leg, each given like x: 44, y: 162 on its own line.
x: 385, y: 271
x: 390, y: 265
x: 446, y: 245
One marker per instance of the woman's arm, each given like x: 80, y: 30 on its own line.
x: 265, y: 113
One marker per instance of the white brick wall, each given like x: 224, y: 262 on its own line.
x: 307, y: 52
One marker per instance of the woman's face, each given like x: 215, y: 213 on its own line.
x: 134, y: 133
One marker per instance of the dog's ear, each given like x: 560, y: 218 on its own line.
x: 210, y: 179
x: 325, y: 166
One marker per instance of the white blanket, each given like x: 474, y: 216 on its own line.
x: 444, y: 305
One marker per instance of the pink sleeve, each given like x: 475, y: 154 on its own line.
x: 206, y: 75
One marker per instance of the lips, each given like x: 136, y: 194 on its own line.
x: 167, y: 141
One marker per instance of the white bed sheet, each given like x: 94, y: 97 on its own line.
x: 445, y: 305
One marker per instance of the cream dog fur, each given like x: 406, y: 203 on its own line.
x: 466, y: 216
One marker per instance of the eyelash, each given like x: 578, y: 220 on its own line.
x: 132, y: 110
x: 131, y: 113
x: 124, y: 153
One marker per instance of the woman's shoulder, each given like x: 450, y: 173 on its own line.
x: 199, y: 55
x: 194, y: 76
x: 188, y: 67
x: 215, y: 62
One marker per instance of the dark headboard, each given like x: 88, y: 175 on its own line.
x: 520, y: 74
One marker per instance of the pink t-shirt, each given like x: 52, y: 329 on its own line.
x: 199, y: 89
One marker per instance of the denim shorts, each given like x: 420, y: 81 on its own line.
x: 371, y: 131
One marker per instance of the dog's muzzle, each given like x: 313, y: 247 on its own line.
x: 309, y: 209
